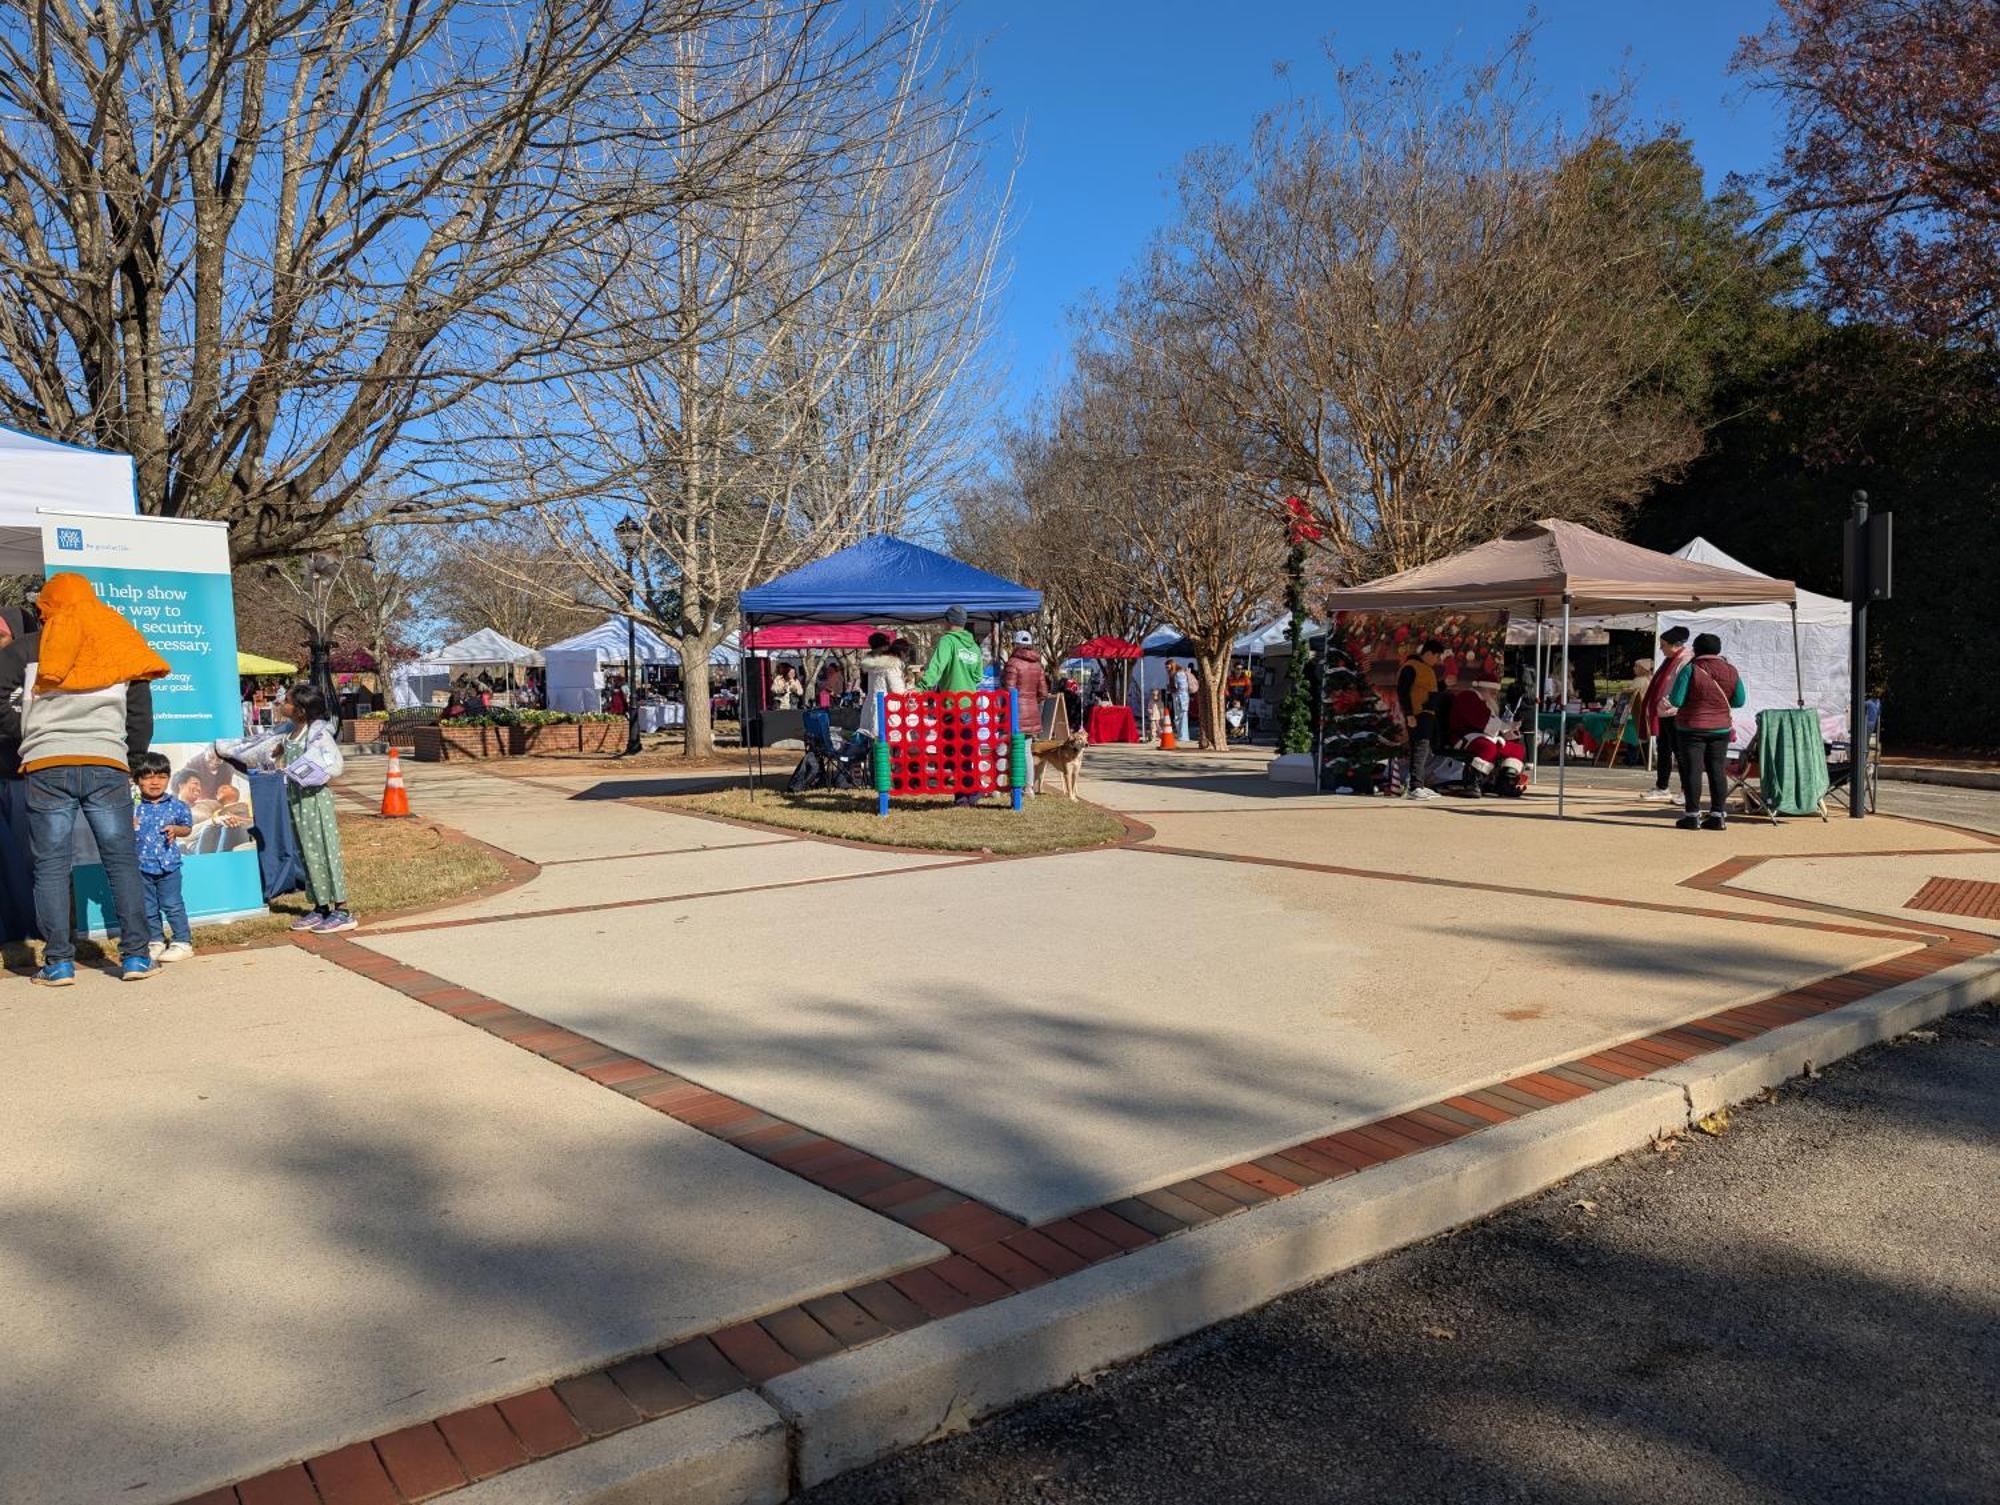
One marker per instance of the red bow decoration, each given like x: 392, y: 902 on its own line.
x: 1302, y: 528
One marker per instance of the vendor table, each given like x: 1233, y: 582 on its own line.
x: 1591, y: 724
x: 1112, y: 723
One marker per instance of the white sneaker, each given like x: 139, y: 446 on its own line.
x: 156, y: 949
x: 1423, y: 794
x: 1658, y: 796
x: 179, y: 951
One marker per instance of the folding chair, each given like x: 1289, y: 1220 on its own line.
x: 1614, y: 734
x: 1790, y: 740
x: 1840, y: 761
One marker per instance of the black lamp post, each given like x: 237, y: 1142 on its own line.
x: 628, y: 533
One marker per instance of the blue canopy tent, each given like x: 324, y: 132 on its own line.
x: 884, y: 579
x: 880, y: 579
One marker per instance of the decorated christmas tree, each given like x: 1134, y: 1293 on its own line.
x: 1361, y: 741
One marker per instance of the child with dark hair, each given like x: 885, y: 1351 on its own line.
x: 310, y: 756
x: 160, y: 821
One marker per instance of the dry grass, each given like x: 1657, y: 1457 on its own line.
x: 1048, y: 824
x: 391, y: 864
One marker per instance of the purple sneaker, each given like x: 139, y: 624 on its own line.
x: 333, y: 923
x: 308, y: 921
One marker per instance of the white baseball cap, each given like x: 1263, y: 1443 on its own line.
x: 1024, y: 639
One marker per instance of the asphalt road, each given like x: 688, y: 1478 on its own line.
x: 1803, y: 1309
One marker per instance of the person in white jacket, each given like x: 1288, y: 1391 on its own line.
x: 881, y: 670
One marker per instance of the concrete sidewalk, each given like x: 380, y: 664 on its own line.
x: 282, y: 1206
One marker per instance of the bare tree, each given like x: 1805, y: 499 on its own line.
x: 507, y: 576
x: 269, y: 248
x: 1444, y: 316
x: 812, y: 362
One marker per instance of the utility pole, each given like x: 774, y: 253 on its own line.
x: 1867, y: 560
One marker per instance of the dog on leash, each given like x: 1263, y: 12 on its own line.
x: 1066, y: 757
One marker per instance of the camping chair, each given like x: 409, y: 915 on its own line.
x: 828, y: 764
x: 1782, y: 769
x: 1840, y: 760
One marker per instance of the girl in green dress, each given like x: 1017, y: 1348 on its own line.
x: 310, y: 754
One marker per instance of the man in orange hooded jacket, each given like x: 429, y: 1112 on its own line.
x: 84, y: 711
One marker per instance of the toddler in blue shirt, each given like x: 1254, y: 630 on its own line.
x: 160, y: 820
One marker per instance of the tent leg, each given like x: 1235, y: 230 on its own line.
x: 1798, y: 670
x: 1534, y: 701
x: 1562, y: 722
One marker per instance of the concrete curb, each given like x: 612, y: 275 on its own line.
x: 854, y: 1408
x: 1925, y: 773
x: 730, y: 1451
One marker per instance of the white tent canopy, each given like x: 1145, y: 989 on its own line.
x: 37, y: 473
x: 576, y: 665
x: 1758, y: 641
x: 481, y: 649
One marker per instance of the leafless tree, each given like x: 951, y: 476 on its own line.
x: 801, y: 369
x: 270, y: 246
x: 507, y: 576
x: 1440, y: 312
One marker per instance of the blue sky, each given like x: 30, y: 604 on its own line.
x: 1109, y: 95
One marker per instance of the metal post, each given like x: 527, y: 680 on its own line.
x: 1798, y: 669
x: 1534, y: 702
x: 1562, y: 719
x: 1857, y: 716
x: 631, y: 661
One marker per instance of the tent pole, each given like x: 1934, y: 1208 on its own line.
x: 1562, y: 720
x: 1534, y: 700
x: 743, y: 704
x: 1798, y: 670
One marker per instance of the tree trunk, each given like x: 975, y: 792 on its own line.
x: 1214, y: 689
x: 698, y: 731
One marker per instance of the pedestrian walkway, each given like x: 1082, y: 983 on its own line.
x: 362, y: 1203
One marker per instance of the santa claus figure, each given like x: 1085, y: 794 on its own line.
x: 1495, y: 757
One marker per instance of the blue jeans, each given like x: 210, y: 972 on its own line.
x: 164, y: 903
x: 103, y: 797
x: 1181, y: 717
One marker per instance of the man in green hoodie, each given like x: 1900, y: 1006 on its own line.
x: 956, y: 663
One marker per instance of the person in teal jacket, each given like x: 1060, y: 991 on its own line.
x: 956, y: 663
x: 1706, y: 690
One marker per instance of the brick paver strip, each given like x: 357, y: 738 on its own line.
x: 352, y: 1476
x: 993, y: 1254
x: 419, y: 1461
x: 1970, y: 897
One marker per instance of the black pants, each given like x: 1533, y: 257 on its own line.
x: 1666, y: 750
x: 1704, y: 750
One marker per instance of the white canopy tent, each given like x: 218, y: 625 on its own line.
x: 413, y: 684
x: 37, y: 473
x: 1759, y: 641
x: 576, y: 665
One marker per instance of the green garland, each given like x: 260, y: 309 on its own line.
x: 1295, y: 716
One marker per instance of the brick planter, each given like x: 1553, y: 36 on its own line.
x: 575, y: 737
x: 366, y: 729
x: 444, y: 744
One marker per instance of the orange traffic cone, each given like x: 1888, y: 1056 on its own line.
x: 395, y: 797
x: 1168, y: 742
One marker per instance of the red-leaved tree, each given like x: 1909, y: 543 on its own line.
x: 1892, y: 154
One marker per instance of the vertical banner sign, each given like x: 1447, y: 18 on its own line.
x: 170, y: 579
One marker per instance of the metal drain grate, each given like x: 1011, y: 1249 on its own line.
x: 1960, y: 896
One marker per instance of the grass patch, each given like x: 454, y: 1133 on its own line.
x: 391, y: 864
x: 1048, y: 824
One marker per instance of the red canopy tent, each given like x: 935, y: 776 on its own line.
x: 1108, y: 648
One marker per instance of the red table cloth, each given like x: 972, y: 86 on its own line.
x: 1112, y: 723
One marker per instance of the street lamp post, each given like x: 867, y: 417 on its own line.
x: 628, y: 532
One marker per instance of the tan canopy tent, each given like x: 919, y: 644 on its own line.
x: 1555, y: 569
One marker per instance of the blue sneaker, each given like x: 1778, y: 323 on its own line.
x: 57, y: 975
x: 137, y: 969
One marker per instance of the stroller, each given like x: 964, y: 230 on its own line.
x: 831, y: 762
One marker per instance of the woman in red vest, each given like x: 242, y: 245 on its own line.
x: 1706, y: 690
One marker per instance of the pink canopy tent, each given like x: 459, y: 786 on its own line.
x: 837, y: 636
x: 1536, y: 568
